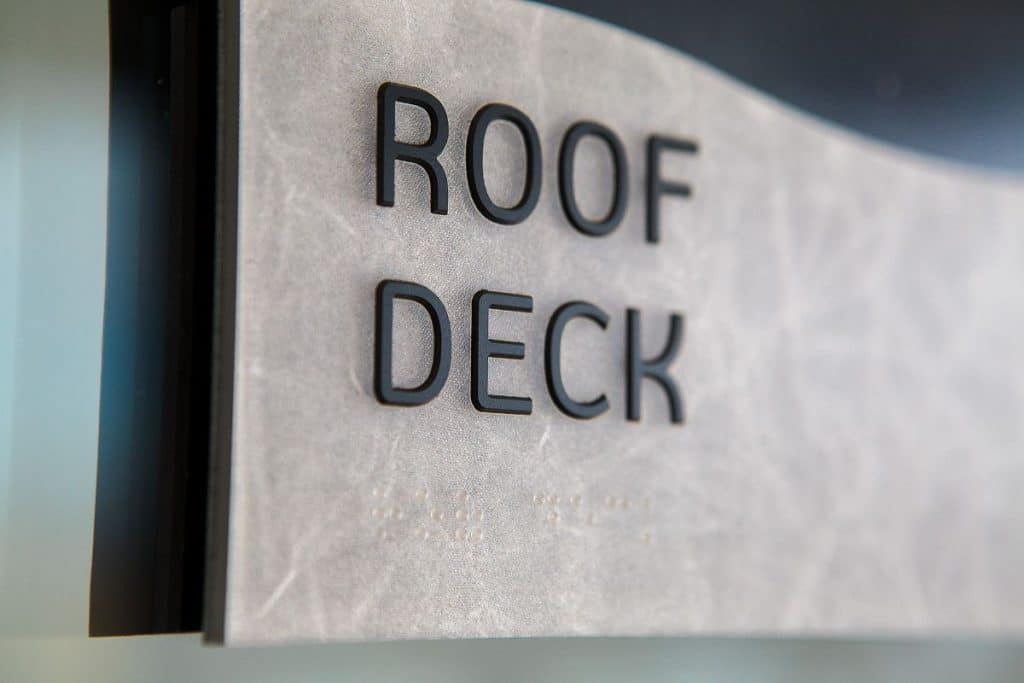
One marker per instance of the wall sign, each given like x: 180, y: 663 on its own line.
x: 532, y: 327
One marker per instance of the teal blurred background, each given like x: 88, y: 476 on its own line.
x: 53, y: 189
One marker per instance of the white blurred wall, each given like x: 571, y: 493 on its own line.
x: 53, y: 149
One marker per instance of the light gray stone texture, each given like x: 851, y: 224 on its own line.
x: 853, y: 459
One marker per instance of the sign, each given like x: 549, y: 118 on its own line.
x: 532, y: 327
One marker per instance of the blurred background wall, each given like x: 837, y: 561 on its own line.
x: 943, y: 77
x: 53, y: 133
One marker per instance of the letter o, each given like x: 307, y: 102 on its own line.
x: 475, y: 164
x: 566, y: 179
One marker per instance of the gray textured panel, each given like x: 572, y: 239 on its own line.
x: 853, y: 366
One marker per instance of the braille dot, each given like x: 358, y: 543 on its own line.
x: 437, y: 514
x: 382, y: 534
x: 553, y: 499
x: 553, y: 518
x: 478, y: 515
x: 460, y: 534
x: 610, y: 501
x: 396, y: 513
x: 375, y: 512
x: 539, y: 499
x: 476, y: 535
x: 421, y: 495
x: 460, y: 514
x: 462, y: 496
x: 625, y: 503
x: 574, y: 501
x: 647, y: 538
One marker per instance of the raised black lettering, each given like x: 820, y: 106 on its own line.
x: 387, y: 292
x: 485, y: 348
x: 425, y: 155
x: 656, y: 186
x: 553, y: 359
x: 566, y: 179
x: 656, y: 368
x: 475, y: 164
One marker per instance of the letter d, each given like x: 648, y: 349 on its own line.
x: 386, y: 391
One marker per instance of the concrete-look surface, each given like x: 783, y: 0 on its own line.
x: 852, y: 369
